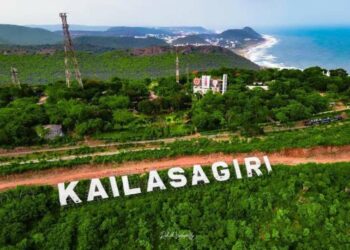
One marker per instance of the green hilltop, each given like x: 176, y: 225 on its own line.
x: 302, y: 207
x: 131, y: 64
x: 117, y: 42
x: 20, y: 35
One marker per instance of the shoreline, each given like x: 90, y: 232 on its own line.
x: 257, y: 53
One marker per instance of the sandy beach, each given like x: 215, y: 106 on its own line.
x: 258, y: 53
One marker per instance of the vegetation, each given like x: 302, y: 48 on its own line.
x: 311, y: 137
x: 191, y: 39
x: 20, y: 35
x: 40, y: 69
x: 126, y: 110
x: 304, y: 207
x: 83, y: 150
x: 118, y: 42
x: 136, y: 31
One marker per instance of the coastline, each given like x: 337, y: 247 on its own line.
x: 258, y: 53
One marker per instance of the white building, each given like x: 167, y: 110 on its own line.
x: 53, y: 131
x: 251, y: 87
x: 206, y: 83
x: 327, y: 73
x: 260, y: 85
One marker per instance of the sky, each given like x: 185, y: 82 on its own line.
x: 214, y: 14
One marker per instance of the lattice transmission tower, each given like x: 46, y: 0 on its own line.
x: 14, y: 77
x: 69, y: 53
x: 177, y: 68
x: 187, y: 74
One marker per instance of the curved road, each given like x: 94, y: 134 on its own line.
x: 55, y: 176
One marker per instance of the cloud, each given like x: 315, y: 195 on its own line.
x: 210, y: 13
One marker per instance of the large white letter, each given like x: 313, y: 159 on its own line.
x: 178, y: 180
x: 199, y: 175
x: 237, y: 169
x: 64, y: 193
x: 126, y: 187
x: 154, y: 181
x: 224, y: 174
x: 96, y: 189
x: 252, y: 163
x: 114, y: 186
x: 268, y: 164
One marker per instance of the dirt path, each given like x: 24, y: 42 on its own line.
x: 287, y: 157
x: 73, y: 157
x: 96, y: 144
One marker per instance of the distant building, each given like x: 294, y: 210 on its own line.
x: 46, y: 51
x: 206, y: 83
x: 251, y: 87
x: 42, y: 100
x: 53, y: 131
x: 260, y: 85
x: 327, y: 73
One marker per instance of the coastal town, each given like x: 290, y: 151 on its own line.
x: 174, y: 125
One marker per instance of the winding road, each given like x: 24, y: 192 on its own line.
x: 290, y: 157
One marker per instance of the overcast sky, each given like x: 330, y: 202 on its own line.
x: 215, y: 14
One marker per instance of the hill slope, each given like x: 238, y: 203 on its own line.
x: 192, y: 39
x: 21, y: 35
x: 284, y: 210
x: 233, y: 38
x: 135, y: 31
x: 118, y: 42
x: 134, y: 64
x: 99, y: 40
x: 240, y: 34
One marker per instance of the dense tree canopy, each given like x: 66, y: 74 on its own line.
x: 126, y: 106
x: 304, y: 207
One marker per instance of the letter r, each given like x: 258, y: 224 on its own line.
x: 253, y: 164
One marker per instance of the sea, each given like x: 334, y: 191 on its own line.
x: 303, y: 47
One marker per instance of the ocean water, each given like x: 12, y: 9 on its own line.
x: 303, y: 47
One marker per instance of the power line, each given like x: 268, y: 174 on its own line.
x: 69, y: 53
x: 14, y: 77
x: 177, y: 68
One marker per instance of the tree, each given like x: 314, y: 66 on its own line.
x: 338, y: 73
x: 122, y: 118
x: 91, y: 126
x: 149, y: 107
x: 115, y: 102
x: 136, y: 91
x: 208, y: 121
x: 18, y: 121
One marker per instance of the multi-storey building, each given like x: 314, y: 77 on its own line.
x: 205, y: 83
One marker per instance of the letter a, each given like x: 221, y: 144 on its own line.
x: 96, y: 189
x: 199, y: 175
x: 154, y: 181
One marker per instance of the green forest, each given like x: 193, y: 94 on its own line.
x: 122, y: 110
x: 132, y: 114
x: 335, y: 135
x: 21, y: 35
x: 43, y: 69
x: 301, y: 207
